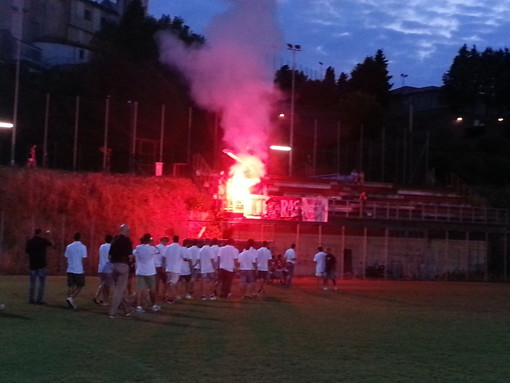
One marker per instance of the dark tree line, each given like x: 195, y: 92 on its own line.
x: 343, y: 121
x: 477, y: 89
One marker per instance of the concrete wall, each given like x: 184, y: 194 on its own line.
x: 404, y: 255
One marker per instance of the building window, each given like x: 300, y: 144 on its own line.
x: 87, y: 15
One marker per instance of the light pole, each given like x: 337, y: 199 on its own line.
x: 16, y: 101
x: 403, y: 76
x: 293, y: 48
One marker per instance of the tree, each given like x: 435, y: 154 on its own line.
x: 479, y: 82
x: 372, y: 78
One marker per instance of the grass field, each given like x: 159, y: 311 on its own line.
x: 369, y: 331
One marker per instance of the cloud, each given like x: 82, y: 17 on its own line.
x: 420, y: 33
x: 419, y: 37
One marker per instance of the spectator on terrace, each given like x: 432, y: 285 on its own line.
x: 36, y: 250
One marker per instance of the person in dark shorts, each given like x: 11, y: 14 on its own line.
x: 330, y: 270
x: 36, y: 250
x: 75, y: 252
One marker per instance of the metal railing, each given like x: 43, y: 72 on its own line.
x: 417, y: 212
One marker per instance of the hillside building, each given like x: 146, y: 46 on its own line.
x: 54, y: 32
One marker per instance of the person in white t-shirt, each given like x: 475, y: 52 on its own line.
x: 104, y: 269
x: 227, y: 256
x: 247, y: 265
x: 290, y: 262
x: 192, y: 255
x: 174, y: 257
x: 185, y: 275
x: 263, y: 257
x: 207, y: 271
x: 215, y: 248
x: 145, y: 272
x: 320, y: 264
x: 160, y: 266
x: 75, y: 252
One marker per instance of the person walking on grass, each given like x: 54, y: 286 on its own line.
x: 247, y: 266
x: 161, y: 267
x: 75, y: 252
x: 330, y: 270
x: 145, y: 273
x: 121, y: 251
x: 36, y: 249
x: 290, y: 262
x: 174, y: 257
x: 104, y: 269
x: 320, y: 265
x: 263, y: 258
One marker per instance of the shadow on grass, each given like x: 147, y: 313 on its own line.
x: 4, y: 314
x: 173, y: 324
x: 381, y: 299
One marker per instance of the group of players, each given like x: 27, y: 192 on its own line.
x: 170, y: 271
x: 174, y: 271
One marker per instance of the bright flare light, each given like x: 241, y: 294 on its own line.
x: 6, y: 125
x: 246, y: 173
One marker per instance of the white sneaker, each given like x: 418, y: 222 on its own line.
x: 156, y: 308
x: 70, y: 302
x: 139, y: 309
x: 212, y: 298
x: 325, y: 288
x: 188, y: 296
x: 178, y: 297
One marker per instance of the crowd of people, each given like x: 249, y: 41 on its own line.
x: 169, y: 272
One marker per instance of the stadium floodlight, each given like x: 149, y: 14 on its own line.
x: 8, y: 125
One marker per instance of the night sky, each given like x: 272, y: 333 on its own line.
x: 420, y: 38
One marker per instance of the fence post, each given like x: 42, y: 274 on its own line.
x: 386, y: 234
x: 2, y: 227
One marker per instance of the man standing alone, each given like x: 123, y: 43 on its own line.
x: 75, y: 252
x: 120, y: 252
x: 36, y: 250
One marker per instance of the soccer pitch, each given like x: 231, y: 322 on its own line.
x: 368, y: 331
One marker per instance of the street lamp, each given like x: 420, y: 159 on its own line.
x: 7, y: 125
x: 281, y: 148
x: 293, y: 48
